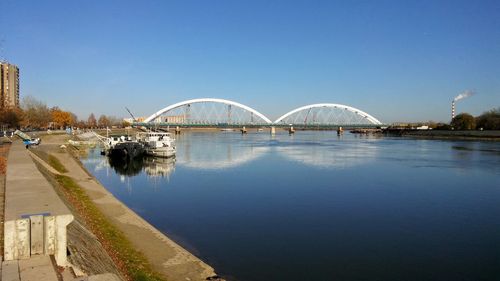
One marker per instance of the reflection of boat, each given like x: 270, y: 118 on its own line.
x: 126, y: 167
x: 157, y: 144
x: 124, y: 147
x: 161, y: 167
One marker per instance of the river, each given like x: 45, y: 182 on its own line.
x: 315, y: 206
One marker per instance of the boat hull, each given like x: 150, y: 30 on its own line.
x: 166, y: 152
x: 126, y: 150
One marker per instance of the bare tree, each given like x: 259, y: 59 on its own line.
x: 103, y: 121
x: 91, y: 121
x: 36, y: 113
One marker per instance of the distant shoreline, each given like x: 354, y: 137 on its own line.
x: 493, y: 135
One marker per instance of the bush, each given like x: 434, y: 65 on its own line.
x: 463, y: 121
x: 489, y: 120
x: 442, y: 126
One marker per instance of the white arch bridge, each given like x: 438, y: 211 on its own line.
x: 225, y: 113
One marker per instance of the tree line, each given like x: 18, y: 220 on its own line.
x: 489, y: 120
x: 34, y: 114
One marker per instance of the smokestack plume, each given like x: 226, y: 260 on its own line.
x: 464, y: 95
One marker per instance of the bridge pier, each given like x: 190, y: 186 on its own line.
x: 340, y: 131
x: 273, y: 130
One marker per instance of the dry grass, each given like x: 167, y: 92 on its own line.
x: 51, y: 159
x: 4, y: 150
x: 56, y: 164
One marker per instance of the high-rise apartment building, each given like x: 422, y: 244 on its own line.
x: 9, y: 85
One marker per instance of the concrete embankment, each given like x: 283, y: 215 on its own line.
x: 35, y: 225
x: 164, y: 255
x: 35, y: 219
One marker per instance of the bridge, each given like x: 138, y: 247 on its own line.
x: 212, y: 112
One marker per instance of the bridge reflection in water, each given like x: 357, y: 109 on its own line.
x: 335, y: 155
x: 218, y: 150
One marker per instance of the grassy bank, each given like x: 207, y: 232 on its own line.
x: 51, y: 160
x: 56, y: 164
x: 132, y: 263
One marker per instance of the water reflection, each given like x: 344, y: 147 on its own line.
x: 466, y: 154
x: 209, y: 151
x: 153, y: 167
x: 206, y: 151
x: 215, y: 151
x: 126, y: 167
x: 159, y: 167
x: 329, y: 155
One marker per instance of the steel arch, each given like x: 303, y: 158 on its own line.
x: 370, y: 118
x: 228, y: 102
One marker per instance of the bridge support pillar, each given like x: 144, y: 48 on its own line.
x: 273, y: 130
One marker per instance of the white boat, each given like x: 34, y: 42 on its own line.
x: 113, y: 140
x: 157, y: 144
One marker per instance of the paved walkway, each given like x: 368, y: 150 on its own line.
x: 29, y: 192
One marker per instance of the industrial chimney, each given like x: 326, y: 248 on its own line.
x: 452, y: 109
x: 463, y: 95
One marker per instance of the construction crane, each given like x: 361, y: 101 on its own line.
x: 133, y: 118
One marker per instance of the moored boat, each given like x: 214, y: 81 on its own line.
x: 124, y: 147
x: 157, y: 144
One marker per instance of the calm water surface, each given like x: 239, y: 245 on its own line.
x: 317, y: 207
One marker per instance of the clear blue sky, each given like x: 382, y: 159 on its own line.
x: 397, y: 60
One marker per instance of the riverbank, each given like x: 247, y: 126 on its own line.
x: 119, y: 227
x: 447, y: 135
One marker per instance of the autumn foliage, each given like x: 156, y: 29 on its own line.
x: 60, y: 118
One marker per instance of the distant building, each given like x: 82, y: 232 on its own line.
x: 131, y: 120
x: 177, y: 119
x: 9, y: 85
